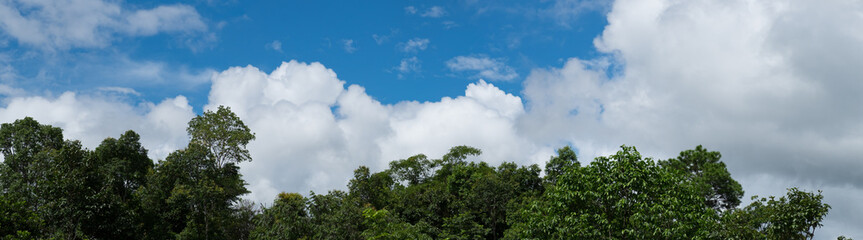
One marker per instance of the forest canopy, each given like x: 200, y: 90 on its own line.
x: 52, y: 188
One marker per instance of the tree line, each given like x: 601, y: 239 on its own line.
x: 51, y: 188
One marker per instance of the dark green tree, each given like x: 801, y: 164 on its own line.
x: 21, y: 142
x: 704, y: 171
x: 335, y: 216
x: 286, y: 219
x: 192, y: 193
x: 374, y: 189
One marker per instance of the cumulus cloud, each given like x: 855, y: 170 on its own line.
x: 91, y: 119
x: 304, y: 144
x: 415, y: 45
x: 486, y: 68
x: 769, y: 84
x: 773, y: 85
x: 91, y: 23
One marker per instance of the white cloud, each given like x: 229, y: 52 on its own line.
x: 408, y: 65
x: 415, y: 45
x: 120, y: 90
x: 380, y: 39
x: 487, y: 68
x: 274, y: 45
x: 773, y: 85
x: 90, y: 23
x: 349, y: 45
x: 165, y: 18
x: 565, y: 12
x: 94, y: 118
x: 434, y: 12
x: 303, y: 144
x: 769, y: 84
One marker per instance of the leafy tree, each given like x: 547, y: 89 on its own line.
x: 560, y: 164
x: 286, y: 219
x: 382, y: 225
x: 335, y: 216
x: 21, y: 142
x: 705, y: 172
x: 17, y: 220
x: 123, y: 166
x: 375, y: 189
x: 191, y: 193
x: 793, y: 216
x: 77, y: 192
x: 414, y: 170
x: 223, y: 134
x: 619, y: 197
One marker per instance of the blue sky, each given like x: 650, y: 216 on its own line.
x: 365, y: 42
x: 328, y: 86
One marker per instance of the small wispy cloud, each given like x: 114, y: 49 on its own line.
x: 274, y: 45
x: 349, y: 45
x: 487, y: 68
x: 434, y: 12
x: 408, y: 65
x: 410, y: 10
x: 120, y: 90
x: 415, y: 45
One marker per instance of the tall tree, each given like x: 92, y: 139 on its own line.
x: 191, y: 193
x: 21, y: 142
x: 223, y: 134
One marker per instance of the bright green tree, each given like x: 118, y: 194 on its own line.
x: 223, y: 134
x: 382, y: 225
x: 623, y: 196
x: 793, y: 216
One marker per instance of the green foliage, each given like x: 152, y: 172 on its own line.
x: 24, y: 144
x: 413, y: 170
x: 191, y: 194
x: 375, y: 189
x: 17, y: 221
x: 335, y: 216
x: 55, y: 189
x: 560, y: 164
x: 382, y: 225
x: 619, y: 197
x: 705, y: 172
x: 223, y: 134
x: 286, y: 219
x: 793, y: 216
